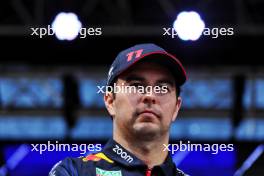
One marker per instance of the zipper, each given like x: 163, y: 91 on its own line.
x: 148, y: 172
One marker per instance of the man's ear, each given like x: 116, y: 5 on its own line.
x: 177, y: 108
x: 109, y: 103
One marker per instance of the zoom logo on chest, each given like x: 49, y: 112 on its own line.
x: 122, y: 154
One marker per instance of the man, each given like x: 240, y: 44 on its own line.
x: 141, y: 118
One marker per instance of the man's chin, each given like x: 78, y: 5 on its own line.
x: 146, y: 129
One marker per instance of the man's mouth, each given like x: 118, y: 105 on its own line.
x: 149, y: 113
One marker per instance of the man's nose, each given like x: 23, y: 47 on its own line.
x: 149, y: 98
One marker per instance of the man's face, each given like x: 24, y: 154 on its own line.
x: 146, y: 115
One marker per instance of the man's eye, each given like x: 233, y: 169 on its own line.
x: 165, y: 87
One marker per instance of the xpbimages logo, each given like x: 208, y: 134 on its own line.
x: 127, y: 89
x: 49, y: 31
x: 49, y: 147
x: 213, y: 32
x: 213, y: 148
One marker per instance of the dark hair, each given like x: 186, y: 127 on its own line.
x: 178, y: 90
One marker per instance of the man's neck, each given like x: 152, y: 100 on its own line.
x: 150, y: 152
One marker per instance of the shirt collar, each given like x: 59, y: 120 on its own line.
x: 168, y: 167
x: 120, y: 155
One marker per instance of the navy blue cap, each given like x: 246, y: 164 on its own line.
x: 127, y: 58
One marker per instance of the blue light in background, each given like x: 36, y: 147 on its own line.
x: 88, y: 93
x: 33, y: 128
x: 31, y: 92
x: 199, y: 128
x: 93, y: 128
x: 260, y: 93
x: 250, y: 160
x: 35, y: 163
x: 87, y: 127
x: 200, y: 163
x: 251, y: 129
x: 17, y: 156
x: 254, y: 94
x: 207, y: 93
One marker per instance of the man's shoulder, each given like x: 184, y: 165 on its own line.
x: 65, y: 167
x: 74, y: 166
